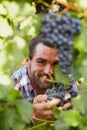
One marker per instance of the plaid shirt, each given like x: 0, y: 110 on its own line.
x: 22, y: 84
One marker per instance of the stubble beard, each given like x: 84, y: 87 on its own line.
x: 36, y: 79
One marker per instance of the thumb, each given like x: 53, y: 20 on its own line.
x: 40, y: 98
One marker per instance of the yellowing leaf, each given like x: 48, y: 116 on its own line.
x: 5, y: 28
x: 82, y: 4
x: 2, y: 10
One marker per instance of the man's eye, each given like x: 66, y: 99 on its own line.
x: 56, y: 63
x: 41, y: 62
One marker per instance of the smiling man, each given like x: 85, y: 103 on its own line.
x: 32, y: 80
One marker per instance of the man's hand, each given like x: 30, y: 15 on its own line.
x: 43, y: 107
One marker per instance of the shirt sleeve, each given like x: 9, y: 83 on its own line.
x: 16, y: 77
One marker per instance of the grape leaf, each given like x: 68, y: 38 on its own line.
x: 60, y: 125
x: 60, y: 76
x: 5, y: 28
x: 72, y: 118
x: 24, y: 109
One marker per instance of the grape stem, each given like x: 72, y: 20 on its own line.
x: 43, y: 120
x: 37, y: 126
x: 72, y: 7
x: 67, y: 5
x: 44, y: 3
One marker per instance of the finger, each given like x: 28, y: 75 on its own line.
x: 41, y: 106
x: 46, y: 114
x: 40, y: 98
x: 66, y: 106
x: 52, y: 103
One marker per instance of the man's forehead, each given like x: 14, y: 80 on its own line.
x: 42, y: 46
x: 45, y: 52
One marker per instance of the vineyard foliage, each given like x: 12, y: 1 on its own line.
x: 19, y: 22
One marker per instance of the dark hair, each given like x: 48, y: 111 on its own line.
x: 35, y: 41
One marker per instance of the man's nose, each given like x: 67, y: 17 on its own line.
x: 48, y: 69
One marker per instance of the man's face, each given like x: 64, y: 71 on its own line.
x: 42, y: 65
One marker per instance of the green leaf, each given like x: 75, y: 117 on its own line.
x: 31, y: 25
x: 4, y: 90
x: 10, y: 119
x: 9, y: 54
x: 60, y: 76
x: 12, y: 8
x: 17, y: 9
x: 80, y: 102
x: 15, y: 111
x: 72, y: 118
x: 83, y: 71
x: 81, y: 39
x: 31, y: 1
x: 56, y: 112
x: 82, y: 59
x: 13, y: 95
x: 60, y: 125
x: 24, y: 109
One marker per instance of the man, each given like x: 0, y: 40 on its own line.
x: 32, y: 80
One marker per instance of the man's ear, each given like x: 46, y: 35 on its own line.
x: 27, y: 61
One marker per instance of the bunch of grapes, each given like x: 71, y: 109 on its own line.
x: 60, y: 30
x: 64, y: 93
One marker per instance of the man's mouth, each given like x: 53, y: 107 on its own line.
x: 46, y: 77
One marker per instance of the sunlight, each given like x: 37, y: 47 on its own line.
x: 83, y: 3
